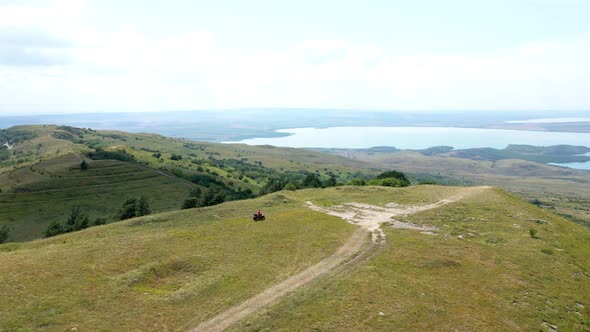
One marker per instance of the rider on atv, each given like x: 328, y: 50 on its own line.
x: 258, y: 216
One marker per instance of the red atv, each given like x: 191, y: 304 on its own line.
x: 258, y: 217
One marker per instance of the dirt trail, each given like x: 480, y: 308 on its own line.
x: 346, y: 253
x: 368, y: 217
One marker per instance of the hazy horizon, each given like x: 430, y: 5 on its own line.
x: 76, y: 56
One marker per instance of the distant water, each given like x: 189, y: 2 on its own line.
x: 551, y: 120
x: 420, y: 138
x: 585, y: 166
x: 416, y: 138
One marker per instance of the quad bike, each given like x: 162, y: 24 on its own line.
x: 257, y: 218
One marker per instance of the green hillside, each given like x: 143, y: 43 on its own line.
x: 558, y: 189
x: 481, y: 269
x: 162, y: 272
x: 41, y: 179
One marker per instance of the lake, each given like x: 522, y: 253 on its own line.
x: 420, y: 138
x: 415, y: 138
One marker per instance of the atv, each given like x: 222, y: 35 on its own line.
x: 257, y: 218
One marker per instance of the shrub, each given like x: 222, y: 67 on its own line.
x: 290, y: 186
x: 533, y: 233
x: 55, y: 228
x: 83, y: 165
x: 391, y: 179
x: 100, y: 221
x: 191, y: 202
x: 134, y: 207
x: 4, y: 233
x: 128, y: 209
x: 77, y: 220
x: 358, y: 182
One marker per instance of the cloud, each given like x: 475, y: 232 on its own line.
x: 52, y: 59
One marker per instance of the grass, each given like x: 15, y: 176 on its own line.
x: 565, y: 191
x: 52, y: 188
x: 42, y: 180
x: 161, y: 272
x: 482, y: 271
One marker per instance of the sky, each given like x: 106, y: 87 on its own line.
x: 69, y: 56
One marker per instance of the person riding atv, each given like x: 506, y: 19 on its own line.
x: 258, y: 216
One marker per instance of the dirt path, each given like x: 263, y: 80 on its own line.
x: 346, y: 253
x: 369, y: 219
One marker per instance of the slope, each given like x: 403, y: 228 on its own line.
x: 41, y: 179
x: 479, y: 267
x: 559, y: 189
x: 161, y: 272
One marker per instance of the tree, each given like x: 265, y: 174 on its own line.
x: 100, y: 221
x: 77, y: 220
x: 191, y: 202
x: 143, y: 207
x: 331, y: 182
x: 358, y: 182
x: 4, y: 230
x: 55, y: 228
x: 213, y: 196
x: 83, y: 165
x: 128, y: 209
x: 312, y: 180
x: 290, y: 186
x: 175, y: 157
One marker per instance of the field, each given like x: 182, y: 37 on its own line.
x: 162, y: 272
x: 483, y: 269
x: 41, y: 180
x: 48, y: 190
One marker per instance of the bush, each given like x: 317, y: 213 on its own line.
x: 100, y: 221
x: 134, y: 207
x: 143, y: 207
x: 533, y: 233
x: 358, y: 182
x: 191, y: 202
x: 312, y: 180
x: 55, y: 228
x: 290, y: 186
x: 83, y: 165
x: 4, y: 233
x: 391, y: 179
x: 101, y: 154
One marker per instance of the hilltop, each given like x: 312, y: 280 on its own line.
x: 518, y: 169
x: 41, y: 178
x: 451, y: 258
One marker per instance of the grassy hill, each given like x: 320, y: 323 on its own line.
x: 41, y: 179
x: 482, y: 270
x: 562, y: 190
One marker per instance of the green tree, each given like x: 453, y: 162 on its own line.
x: 312, y: 180
x: 331, y: 182
x: 128, y: 210
x: 4, y: 230
x: 100, y: 221
x: 83, y: 165
x: 357, y: 182
x: 55, y: 228
x: 290, y: 186
x: 143, y: 206
x: 401, y: 177
x: 77, y: 220
x: 191, y: 202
